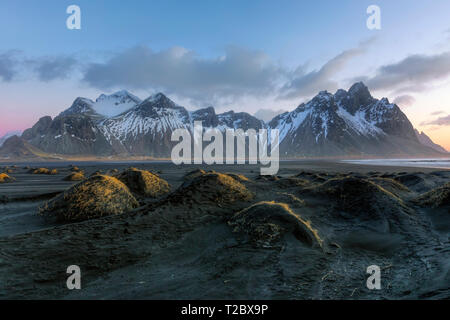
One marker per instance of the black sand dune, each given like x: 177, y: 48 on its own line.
x: 364, y: 203
x: 309, y: 233
x: 265, y: 222
x: 144, y: 183
x: 95, y: 197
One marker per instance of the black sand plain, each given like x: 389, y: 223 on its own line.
x: 308, y: 233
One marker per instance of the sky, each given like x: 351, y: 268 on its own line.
x: 253, y: 55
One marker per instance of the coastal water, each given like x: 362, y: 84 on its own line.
x: 441, y: 163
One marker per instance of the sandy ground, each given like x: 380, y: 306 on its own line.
x: 181, y: 246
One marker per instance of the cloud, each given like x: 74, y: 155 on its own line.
x: 8, y: 65
x: 13, y: 64
x: 304, y: 84
x: 267, y: 114
x: 436, y: 113
x: 53, y: 68
x: 404, y: 101
x: 441, y: 121
x: 177, y: 70
x: 412, y: 74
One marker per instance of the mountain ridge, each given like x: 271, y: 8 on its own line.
x: 347, y: 123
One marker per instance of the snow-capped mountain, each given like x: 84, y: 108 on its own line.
x: 146, y: 129
x: 133, y: 127
x: 347, y: 123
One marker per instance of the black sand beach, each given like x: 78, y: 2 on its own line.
x: 188, y: 243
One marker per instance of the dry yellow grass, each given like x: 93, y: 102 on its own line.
x: 44, y: 171
x: 200, y: 172
x: 75, y: 176
x: 96, y: 197
x: 193, y: 174
x: 144, y: 182
x: 213, y: 187
x: 352, y: 188
x: 238, y: 177
x: 436, y: 198
x: 267, y: 221
x: 4, y: 178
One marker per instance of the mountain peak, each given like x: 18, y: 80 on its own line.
x: 121, y: 96
x: 207, y: 110
x: 340, y: 93
x: 81, y: 100
x: 79, y: 106
x: 321, y: 99
x: 360, y: 89
x: 426, y: 141
x: 156, y: 97
x: 358, y: 95
x: 159, y: 99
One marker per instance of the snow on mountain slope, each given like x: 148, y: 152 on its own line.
x: 359, y: 123
x: 81, y: 106
x: 347, y: 123
x: 115, y: 104
x: 156, y: 115
x: 290, y: 121
x: 238, y: 120
x: 105, y: 106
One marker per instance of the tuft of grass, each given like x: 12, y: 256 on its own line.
x: 144, y: 182
x: 44, y: 171
x: 238, y: 177
x: 436, y: 198
x: 213, y: 188
x: 193, y: 174
x: 266, y: 221
x: 75, y: 176
x: 4, y: 178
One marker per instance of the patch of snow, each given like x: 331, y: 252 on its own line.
x: 359, y: 123
x: 115, y: 104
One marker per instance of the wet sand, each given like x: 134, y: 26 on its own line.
x: 182, y: 247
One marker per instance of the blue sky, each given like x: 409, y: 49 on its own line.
x: 272, y: 50
x: 293, y: 31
